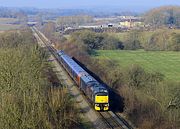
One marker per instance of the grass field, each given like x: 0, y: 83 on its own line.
x: 7, y: 24
x: 165, y: 62
x: 7, y: 20
x: 4, y: 27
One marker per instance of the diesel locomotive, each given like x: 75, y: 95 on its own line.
x: 95, y: 91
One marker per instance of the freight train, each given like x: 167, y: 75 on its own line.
x: 94, y: 90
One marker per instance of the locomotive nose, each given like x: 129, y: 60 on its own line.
x: 101, y: 107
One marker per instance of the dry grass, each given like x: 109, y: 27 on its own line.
x: 7, y: 20
x: 8, y: 24
x: 4, y: 27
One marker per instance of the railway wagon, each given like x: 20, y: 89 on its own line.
x: 95, y: 91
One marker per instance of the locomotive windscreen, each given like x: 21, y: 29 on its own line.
x: 101, y: 97
x: 102, y: 94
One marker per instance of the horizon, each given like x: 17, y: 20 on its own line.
x: 128, y: 5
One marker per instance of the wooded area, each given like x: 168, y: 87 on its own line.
x: 166, y: 15
x: 29, y: 98
x: 157, y: 40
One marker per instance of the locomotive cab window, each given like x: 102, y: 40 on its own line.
x: 101, y: 94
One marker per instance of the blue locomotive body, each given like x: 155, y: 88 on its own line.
x: 96, y: 92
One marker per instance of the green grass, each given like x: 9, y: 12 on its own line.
x: 166, y: 62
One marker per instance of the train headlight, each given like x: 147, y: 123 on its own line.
x: 106, y: 105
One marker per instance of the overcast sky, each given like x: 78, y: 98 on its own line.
x: 86, y: 3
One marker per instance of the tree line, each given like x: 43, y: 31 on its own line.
x: 156, y: 40
x: 166, y: 15
x: 31, y: 95
x: 159, y: 40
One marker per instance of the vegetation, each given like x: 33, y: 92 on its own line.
x: 164, y: 40
x: 8, y: 20
x: 157, y: 40
x: 8, y: 24
x: 167, y: 15
x: 5, y: 12
x: 29, y: 99
x: 150, y: 98
x: 74, y: 20
x: 49, y: 29
x: 148, y: 93
x: 16, y: 22
x: 97, y: 41
x: 165, y: 62
x: 147, y: 79
x: 4, y: 27
x: 160, y: 39
x: 132, y: 41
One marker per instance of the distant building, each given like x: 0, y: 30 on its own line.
x: 31, y: 23
x: 89, y: 26
x: 130, y: 23
x: 110, y: 25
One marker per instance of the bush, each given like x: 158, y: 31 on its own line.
x: 132, y: 41
x: 97, y: 41
x: 111, y: 43
x: 27, y: 98
x: 136, y: 76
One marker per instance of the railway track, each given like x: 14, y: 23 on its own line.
x: 128, y: 126
x: 112, y: 120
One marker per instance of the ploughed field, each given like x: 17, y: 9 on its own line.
x: 165, y: 62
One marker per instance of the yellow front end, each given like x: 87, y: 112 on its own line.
x: 101, y: 103
x: 97, y: 108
